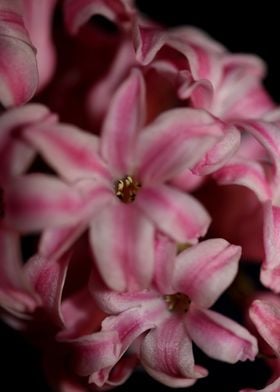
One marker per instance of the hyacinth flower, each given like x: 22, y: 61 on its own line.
x: 116, y: 184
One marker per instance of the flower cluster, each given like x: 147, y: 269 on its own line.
x: 118, y: 139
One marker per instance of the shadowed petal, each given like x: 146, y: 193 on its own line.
x: 36, y: 201
x: 72, y: 152
x: 123, y: 242
x: 125, y: 117
x: 178, y: 215
x: 205, y: 270
x: 219, y: 337
x: 175, y: 141
x: 266, y: 317
x: 167, y: 349
x: 18, y: 67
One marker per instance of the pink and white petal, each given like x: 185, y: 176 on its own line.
x: 47, y: 278
x: 118, y: 236
x: 175, y: 141
x: 69, y: 150
x: 165, y: 256
x: 248, y: 173
x: 126, y: 116
x: 167, y: 349
x: 266, y: 317
x: 219, y: 337
x: 178, y: 215
x: 204, y: 271
x: 16, y: 295
x: 121, y: 371
x: 94, y: 352
x: 170, y: 381
x: 37, y: 201
x: 79, y: 12
x: 187, y: 181
x: 270, y: 271
x: 220, y: 153
x: 18, y: 66
x: 273, y: 387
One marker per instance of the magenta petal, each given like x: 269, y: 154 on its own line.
x: 266, y: 317
x: 38, y: 201
x: 118, y: 235
x: 175, y: 141
x: 219, y: 337
x: 270, y: 272
x: 47, y: 277
x: 168, y: 349
x: 18, y: 67
x: 125, y: 117
x: 69, y: 150
x: 178, y: 215
x: 205, y: 270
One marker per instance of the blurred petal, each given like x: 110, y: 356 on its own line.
x: 125, y: 117
x: 204, y: 271
x: 178, y: 215
x: 266, y: 317
x: 18, y: 67
x: 37, y: 201
x: 72, y: 152
x: 118, y: 235
x: 219, y: 337
x: 167, y: 349
x: 176, y: 140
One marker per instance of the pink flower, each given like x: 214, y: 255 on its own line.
x: 103, y: 177
x: 160, y: 323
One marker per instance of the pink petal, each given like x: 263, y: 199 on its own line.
x: 266, y: 317
x: 79, y: 12
x: 187, y: 181
x: 47, y: 277
x: 248, y: 173
x: 219, y: 337
x: 220, y: 153
x: 178, y: 215
x: 72, y: 152
x: 38, y: 21
x: 16, y: 294
x: 167, y: 349
x: 18, y: 67
x: 270, y: 272
x: 118, y: 236
x: 170, y: 381
x: 37, y: 201
x: 176, y: 140
x: 125, y: 117
x: 206, y: 270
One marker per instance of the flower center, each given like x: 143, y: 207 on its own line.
x: 126, y: 189
x: 178, y: 302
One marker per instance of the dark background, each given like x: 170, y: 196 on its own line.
x: 248, y: 31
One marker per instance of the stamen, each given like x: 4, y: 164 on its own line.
x: 178, y: 302
x: 126, y: 189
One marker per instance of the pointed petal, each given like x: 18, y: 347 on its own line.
x: 270, y: 270
x: 206, y: 270
x: 125, y: 117
x: 175, y: 141
x: 219, y: 337
x: 167, y: 349
x: 178, y: 215
x: 36, y: 201
x: 38, y: 21
x: 245, y: 172
x: 47, y: 277
x: 118, y: 236
x: 18, y: 67
x: 266, y: 317
x: 69, y: 150
x: 79, y: 12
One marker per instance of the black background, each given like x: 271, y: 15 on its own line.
x: 249, y: 31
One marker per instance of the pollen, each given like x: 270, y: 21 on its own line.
x: 126, y: 189
x: 178, y: 302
